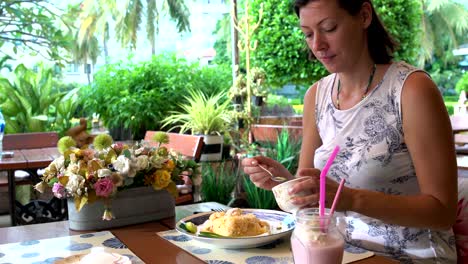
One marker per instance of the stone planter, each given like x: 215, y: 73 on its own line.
x: 212, y: 148
x: 131, y: 206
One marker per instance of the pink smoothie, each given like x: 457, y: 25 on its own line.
x: 328, y: 251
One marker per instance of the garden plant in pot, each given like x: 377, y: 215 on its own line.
x: 238, y: 90
x: 258, y: 85
x: 137, y: 182
x: 203, y: 115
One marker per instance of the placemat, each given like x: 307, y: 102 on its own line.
x: 276, y: 252
x: 53, y: 249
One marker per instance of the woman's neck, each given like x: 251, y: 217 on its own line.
x: 357, y: 77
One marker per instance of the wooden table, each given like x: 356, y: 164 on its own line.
x: 25, y: 159
x: 141, y: 239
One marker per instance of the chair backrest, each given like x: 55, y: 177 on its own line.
x: 30, y: 140
x: 188, y: 145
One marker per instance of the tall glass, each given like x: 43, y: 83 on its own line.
x: 316, y: 240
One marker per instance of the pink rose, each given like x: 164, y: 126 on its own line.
x: 104, y: 187
x: 118, y: 147
x: 58, y: 190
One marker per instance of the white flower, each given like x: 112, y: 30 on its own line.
x: 141, y: 162
x: 123, y: 165
x: 104, y: 173
x: 157, y: 161
x: 139, y: 151
x: 75, y: 183
x: 73, y: 157
x: 59, y: 163
x: 73, y: 168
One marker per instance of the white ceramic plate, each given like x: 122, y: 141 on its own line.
x: 281, y: 225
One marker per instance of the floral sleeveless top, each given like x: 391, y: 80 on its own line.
x: 374, y: 156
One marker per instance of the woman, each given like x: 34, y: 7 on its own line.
x: 397, y: 153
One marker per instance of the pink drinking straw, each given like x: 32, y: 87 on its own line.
x: 323, y: 175
x: 337, y: 197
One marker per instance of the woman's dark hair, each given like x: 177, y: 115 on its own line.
x: 381, y: 45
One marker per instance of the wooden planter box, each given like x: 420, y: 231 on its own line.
x: 131, y: 206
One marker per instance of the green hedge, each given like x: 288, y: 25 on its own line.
x: 139, y: 96
x: 281, y: 47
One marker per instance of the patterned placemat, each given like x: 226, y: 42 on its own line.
x: 53, y: 249
x: 276, y: 252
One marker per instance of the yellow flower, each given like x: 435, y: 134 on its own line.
x: 162, y: 178
x: 169, y: 165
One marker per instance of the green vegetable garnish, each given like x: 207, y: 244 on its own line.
x: 209, y: 234
x: 191, y: 227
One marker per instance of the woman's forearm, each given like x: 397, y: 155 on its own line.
x: 422, y: 211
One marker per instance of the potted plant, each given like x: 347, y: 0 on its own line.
x: 258, y: 85
x: 238, y: 90
x: 202, y: 115
x: 126, y: 178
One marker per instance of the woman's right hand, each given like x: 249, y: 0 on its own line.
x: 260, y: 177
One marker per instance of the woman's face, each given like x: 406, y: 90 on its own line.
x: 336, y: 38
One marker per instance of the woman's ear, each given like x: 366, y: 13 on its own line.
x: 366, y: 14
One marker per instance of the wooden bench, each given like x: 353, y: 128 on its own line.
x: 188, y: 145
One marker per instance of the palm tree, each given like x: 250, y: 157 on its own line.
x: 94, y: 19
x: 127, y: 15
x: 87, y: 50
x: 445, y: 23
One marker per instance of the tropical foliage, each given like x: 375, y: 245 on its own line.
x: 257, y: 197
x: 35, y: 27
x: 218, y: 182
x: 445, y: 26
x: 286, y: 151
x: 462, y: 84
x: 201, y: 114
x: 32, y: 103
x: 281, y: 47
x: 139, y: 96
x: 97, y: 15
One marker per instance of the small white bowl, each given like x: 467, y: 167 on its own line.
x: 283, y: 198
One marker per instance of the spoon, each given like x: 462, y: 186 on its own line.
x: 273, y: 177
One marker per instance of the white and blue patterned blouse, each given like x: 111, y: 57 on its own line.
x: 374, y: 156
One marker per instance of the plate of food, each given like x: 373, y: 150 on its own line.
x: 237, y: 228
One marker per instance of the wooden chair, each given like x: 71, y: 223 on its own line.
x: 459, y: 123
x: 459, y: 128
x: 188, y: 145
x: 35, y: 211
x: 28, y: 141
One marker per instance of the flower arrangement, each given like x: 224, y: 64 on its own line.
x: 99, y: 173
